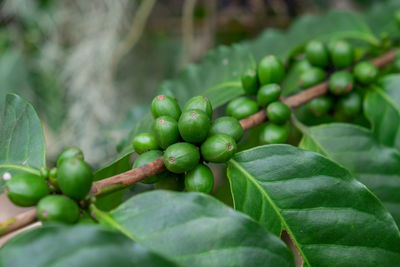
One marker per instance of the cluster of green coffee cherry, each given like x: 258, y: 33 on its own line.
x: 60, y: 193
x: 186, y: 139
x: 264, y: 83
x: 336, y: 57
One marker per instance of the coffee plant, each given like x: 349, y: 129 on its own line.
x: 309, y: 135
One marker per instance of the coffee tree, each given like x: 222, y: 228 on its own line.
x: 329, y: 87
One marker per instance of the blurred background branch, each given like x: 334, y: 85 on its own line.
x: 134, y: 34
x: 187, y: 30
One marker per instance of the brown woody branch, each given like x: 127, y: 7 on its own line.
x: 18, y: 222
x: 127, y: 178
x: 133, y: 176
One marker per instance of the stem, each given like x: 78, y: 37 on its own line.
x: 133, y: 176
x: 128, y: 178
x: 106, y: 219
x: 18, y: 222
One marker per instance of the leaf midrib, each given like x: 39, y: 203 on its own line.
x: 111, y: 222
x: 19, y: 167
x: 276, y: 209
x: 306, y: 133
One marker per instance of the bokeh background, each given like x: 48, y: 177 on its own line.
x: 91, y: 67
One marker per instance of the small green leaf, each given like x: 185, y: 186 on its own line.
x: 382, y: 108
x: 83, y: 245
x: 375, y: 165
x: 197, y: 230
x: 22, y: 145
x: 333, y: 219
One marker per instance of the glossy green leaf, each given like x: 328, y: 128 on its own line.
x: 249, y: 198
x: 197, y: 230
x: 57, y: 245
x: 382, y: 108
x: 22, y: 145
x: 354, y: 147
x: 333, y: 219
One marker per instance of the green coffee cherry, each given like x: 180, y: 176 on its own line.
x: 164, y: 105
x: 268, y: 94
x: 194, y: 126
x: 181, y: 157
x: 250, y: 82
x: 72, y: 152
x: 201, y: 103
x: 302, y: 66
x: 342, y: 54
x: 350, y: 105
x: 278, y: 113
x: 241, y: 107
x: 44, y: 172
x: 317, y: 54
x: 145, y: 158
x: 200, y: 179
x: 366, y: 72
x: 144, y: 142
x: 341, y: 82
x: 165, y: 130
x: 312, y: 77
x: 227, y: 125
x: 26, y: 189
x: 171, y: 181
x: 218, y: 148
x: 321, y: 105
x: 57, y: 208
x: 274, y: 134
x: 270, y: 70
x: 75, y: 178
